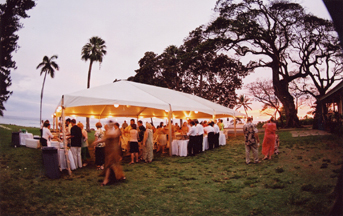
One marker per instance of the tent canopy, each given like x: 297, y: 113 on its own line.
x: 131, y: 99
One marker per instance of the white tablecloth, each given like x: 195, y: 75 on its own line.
x: 32, y: 143
x: 205, y: 145
x: 24, y: 136
x: 222, y: 138
x: 62, y: 159
x: 179, y: 147
x: 56, y: 144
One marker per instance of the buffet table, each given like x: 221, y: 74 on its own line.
x: 32, y: 143
x: 62, y: 160
x: 179, y: 147
x: 24, y: 136
x: 222, y: 138
x: 205, y: 145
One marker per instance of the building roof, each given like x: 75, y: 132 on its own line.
x: 337, y: 88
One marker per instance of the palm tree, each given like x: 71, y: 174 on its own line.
x: 48, y: 67
x: 243, y: 101
x: 93, y: 51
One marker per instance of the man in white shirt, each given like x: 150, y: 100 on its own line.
x: 46, y: 135
x: 192, y: 133
x: 216, y: 135
x: 200, y: 132
x: 210, y: 135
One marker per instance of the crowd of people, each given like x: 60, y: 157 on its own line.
x: 140, y: 141
x: 270, y: 145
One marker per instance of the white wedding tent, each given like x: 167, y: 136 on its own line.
x: 131, y: 99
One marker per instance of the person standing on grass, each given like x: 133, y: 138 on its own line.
x: 200, y: 136
x: 134, y: 148
x: 141, y: 130
x: 216, y: 134
x: 269, y: 139
x: 76, y: 143
x: 250, y: 141
x: 162, y: 138
x: 99, y: 147
x: 112, y: 152
x: 84, y: 147
x: 192, y: 133
x: 148, y: 144
x: 209, y: 130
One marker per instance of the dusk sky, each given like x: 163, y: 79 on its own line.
x: 130, y: 28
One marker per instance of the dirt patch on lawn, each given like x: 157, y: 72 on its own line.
x: 310, y: 132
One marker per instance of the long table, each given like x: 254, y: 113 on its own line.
x: 24, y: 136
x: 179, y: 147
x: 62, y: 160
x: 222, y: 138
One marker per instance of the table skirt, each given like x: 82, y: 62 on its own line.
x: 24, y: 136
x: 179, y: 147
x: 222, y: 138
x: 62, y: 159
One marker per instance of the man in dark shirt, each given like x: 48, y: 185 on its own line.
x: 76, y: 141
x: 141, y: 131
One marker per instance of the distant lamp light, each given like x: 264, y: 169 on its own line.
x: 59, y: 109
x: 196, y: 112
x: 116, y: 105
x: 166, y: 110
x: 92, y: 116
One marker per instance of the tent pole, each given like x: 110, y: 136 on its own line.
x: 170, y: 130
x: 56, y: 122
x: 64, y: 136
x: 234, y: 123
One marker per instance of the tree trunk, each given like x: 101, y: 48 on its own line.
x: 41, y: 100
x: 287, y: 100
x: 88, y: 85
x: 281, y: 119
x: 319, y: 117
x: 89, y: 74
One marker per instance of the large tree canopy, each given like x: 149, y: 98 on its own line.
x: 10, y: 14
x: 273, y: 35
x: 194, y: 68
x: 94, y: 51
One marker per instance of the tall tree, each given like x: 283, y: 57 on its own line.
x: 10, y: 14
x: 243, y: 101
x: 194, y: 68
x: 263, y: 92
x: 320, y: 56
x: 93, y: 51
x: 148, y: 69
x: 265, y: 31
x: 48, y: 66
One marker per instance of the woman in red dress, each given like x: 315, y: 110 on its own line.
x: 269, y: 139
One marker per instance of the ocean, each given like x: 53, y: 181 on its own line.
x: 19, y: 120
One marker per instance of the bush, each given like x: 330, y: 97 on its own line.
x: 307, y: 121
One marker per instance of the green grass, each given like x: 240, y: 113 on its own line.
x: 215, y: 182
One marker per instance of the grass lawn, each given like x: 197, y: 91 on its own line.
x: 299, y: 181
